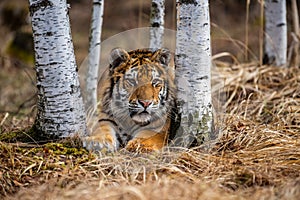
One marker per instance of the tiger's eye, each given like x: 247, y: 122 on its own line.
x: 156, y: 82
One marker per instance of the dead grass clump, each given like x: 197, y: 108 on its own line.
x: 264, y: 94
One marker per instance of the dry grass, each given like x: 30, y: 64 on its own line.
x: 257, y: 155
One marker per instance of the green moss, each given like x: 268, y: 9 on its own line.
x: 32, y: 136
x: 64, y: 149
x: 45, y: 144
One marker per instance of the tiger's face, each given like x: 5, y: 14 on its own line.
x: 147, y: 90
x: 142, y: 84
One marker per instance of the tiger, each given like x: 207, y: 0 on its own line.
x: 137, y: 106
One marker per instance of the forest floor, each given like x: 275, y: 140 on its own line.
x: 257, y: 153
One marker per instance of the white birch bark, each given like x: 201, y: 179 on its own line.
x: 193, y: 70
x: 157, y: 23
x: 94, y: 56
x: 275, y: 32
x: 60, y: 106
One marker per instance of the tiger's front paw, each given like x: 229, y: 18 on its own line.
x: 101, y: 140
x: 153, y: 143
x: 96, y: 143
x: 137, y: 145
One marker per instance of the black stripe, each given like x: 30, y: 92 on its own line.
x: 121, y: 143
x: 108, y: 120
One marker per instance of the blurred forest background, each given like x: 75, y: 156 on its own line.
x: 17, y: 75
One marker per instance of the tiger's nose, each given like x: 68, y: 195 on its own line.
x: 145, y: 103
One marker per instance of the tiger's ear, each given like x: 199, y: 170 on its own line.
x: 162, y: 56
x: 117, y: 57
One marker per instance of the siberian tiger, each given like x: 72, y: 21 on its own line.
x: 137, y: 102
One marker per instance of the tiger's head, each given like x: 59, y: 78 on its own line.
x: 143, y: 85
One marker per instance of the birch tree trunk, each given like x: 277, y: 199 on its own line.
x: 193, y: 71
x: 275, y: 33
x: 157, y: 23
x: 94, y: 56
x: 60, y: 106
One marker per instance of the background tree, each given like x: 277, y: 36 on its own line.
x: 94, y: 56
x: 193, y: 68
x: 157, y: 23
x: 295, y: 35
x: 60, y: 109
x: 275, y: 49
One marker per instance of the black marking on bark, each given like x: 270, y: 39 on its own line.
x: 267, y: 60
x: 39, y: 5
x: 97, y: 3
x: 72, y: 89
x: 48, y: 34
x: 281, y: 24
x: 48, y: 64
x: 202, y: 78
x: 154, y: 5
x: 155, y: 25
x: 209, y: 106
x: 188, y: 2
x: 185, y: 18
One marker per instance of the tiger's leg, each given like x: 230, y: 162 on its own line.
x: 147, y: 140
x: 104, y: 137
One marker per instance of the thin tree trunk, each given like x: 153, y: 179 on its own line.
x: 275, y: 49
x: 296, y: 32
x: 94, y: 56
x: 60, y: 106
x: 157, y: 23
x: 193, y: 71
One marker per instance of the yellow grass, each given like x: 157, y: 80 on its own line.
x: 257, y: 155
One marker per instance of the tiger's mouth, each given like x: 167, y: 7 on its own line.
x: 141, y: 118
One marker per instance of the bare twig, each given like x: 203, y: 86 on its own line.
x: 247, y: 30
x: 261, y: 33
